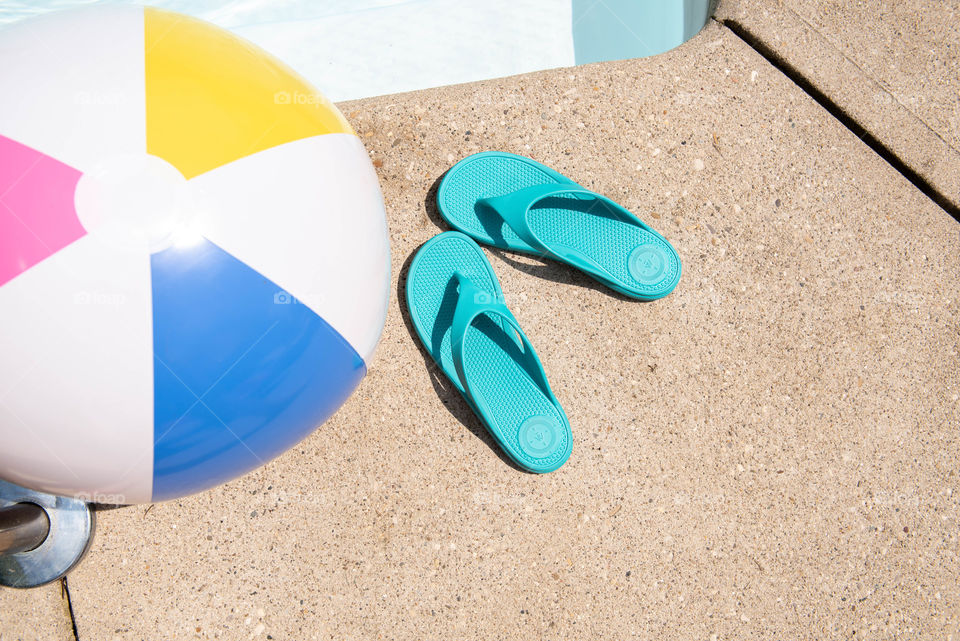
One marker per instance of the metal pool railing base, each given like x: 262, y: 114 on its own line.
x: 42, y: 536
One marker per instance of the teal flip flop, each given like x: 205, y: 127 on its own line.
x: 457, y: 308
x: 516, y: 203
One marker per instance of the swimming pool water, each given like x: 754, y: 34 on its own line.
x: 359, y: 48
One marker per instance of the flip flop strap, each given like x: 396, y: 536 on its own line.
x: 514, y: 209
x: 471, y: 303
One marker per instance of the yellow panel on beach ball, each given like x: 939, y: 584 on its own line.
x: 212, y: 98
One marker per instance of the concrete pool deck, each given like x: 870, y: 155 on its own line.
x: 770, y: 452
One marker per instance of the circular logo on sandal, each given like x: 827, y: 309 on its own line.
x: 647, y: 264
x: 538, y: 436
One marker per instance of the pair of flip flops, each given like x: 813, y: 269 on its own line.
x: 457, y: 306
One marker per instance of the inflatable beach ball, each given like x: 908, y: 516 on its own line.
x: 194, y: 266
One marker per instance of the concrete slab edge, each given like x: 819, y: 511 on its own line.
x: 860, y: 102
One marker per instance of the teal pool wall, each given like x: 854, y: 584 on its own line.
x: 621, y: 29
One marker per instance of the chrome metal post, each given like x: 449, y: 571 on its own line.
x: 23, y: 526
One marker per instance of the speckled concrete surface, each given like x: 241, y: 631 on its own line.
x: 910, y: 46
x: 41, y: 614
x: 770, y: 452
x: 891, y: 65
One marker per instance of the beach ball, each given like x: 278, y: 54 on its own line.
x: 194, y: 261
